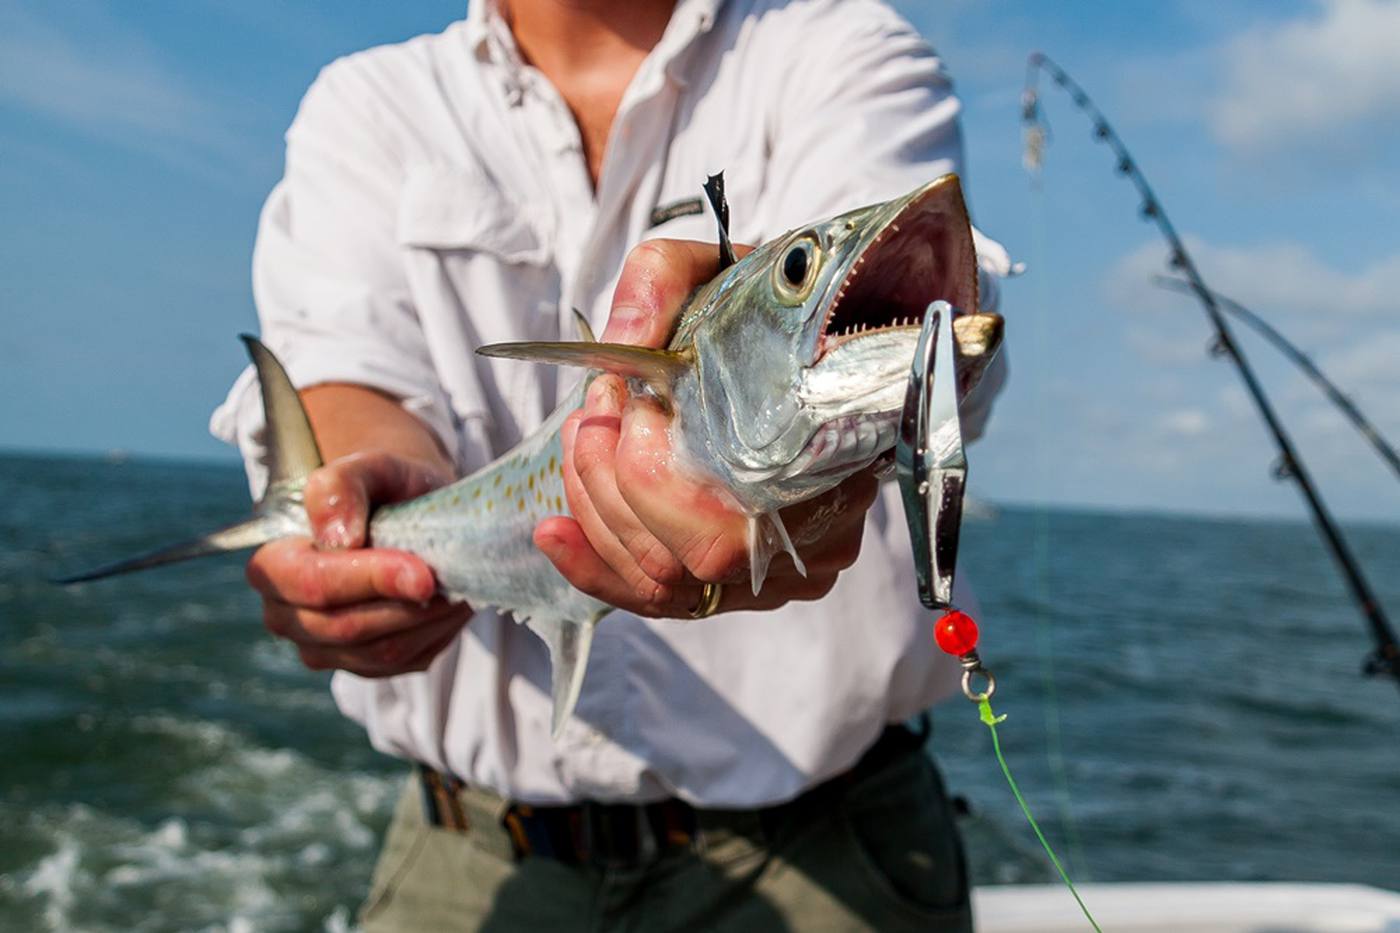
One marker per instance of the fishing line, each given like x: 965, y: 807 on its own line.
x: 984, y: 710
x: 956, y: 634
x: 931, y: 469
x: 1385, y: 659
x: 1040, y: 550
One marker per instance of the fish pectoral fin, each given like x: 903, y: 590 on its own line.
x: 768, y: 537
x: 569, y: 644
x: 659, y: 369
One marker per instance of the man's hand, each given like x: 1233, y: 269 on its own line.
x: 372, y: 612
x: 644, y: 535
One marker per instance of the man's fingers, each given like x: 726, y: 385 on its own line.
x: 399, y: 653
x: 353, y: 625
x: 292, y: 571
x: 617, y: 534
x: 564, y: 542
x: 656, y: 278
x: 602, y: 543
x: 340, y: 494
x: 694, y: 520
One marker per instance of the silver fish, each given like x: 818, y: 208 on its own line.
x: 785, y: 375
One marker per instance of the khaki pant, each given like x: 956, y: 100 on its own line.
x: 881, y: 854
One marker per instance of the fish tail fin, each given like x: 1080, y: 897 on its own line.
x: 244, y: 534
x: 291, y: 445
x: 292, y: 455
x: 569, y: 645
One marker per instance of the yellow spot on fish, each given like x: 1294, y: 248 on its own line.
x: 553, y: 464
x: 490, y: 505
x: 532, y: 481
x: 559, y: 503
x: 521, y: 504
x: 539, y: 496
x: 507, y: 492
x: 476, y: 493
x: 498, y: 479
x: 456, y: 498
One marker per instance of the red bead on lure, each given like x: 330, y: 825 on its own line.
x: 956, y: 633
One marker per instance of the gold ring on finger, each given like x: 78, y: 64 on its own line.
x: 709, y: 601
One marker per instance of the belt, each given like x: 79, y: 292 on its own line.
x: 620, y: 835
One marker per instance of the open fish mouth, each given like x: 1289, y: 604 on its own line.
x: 921, y: 253
x: 919, y: 249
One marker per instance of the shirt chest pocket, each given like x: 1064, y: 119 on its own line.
x: 472, y: 245
x: 480, y: 266
x: 450, y: 208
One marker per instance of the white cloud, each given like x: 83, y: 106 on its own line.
x: 1270, y: 278
x: 1324, y: 81
x: 1377, y: 359
x: 1188, y: 422
x: 1348, y: 321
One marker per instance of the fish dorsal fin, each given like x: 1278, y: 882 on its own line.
x: 714, y: 191
x: 291, y: 445
x: 659, y: 369
x: 585, y: 330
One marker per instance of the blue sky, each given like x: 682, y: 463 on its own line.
x: 137, y: 141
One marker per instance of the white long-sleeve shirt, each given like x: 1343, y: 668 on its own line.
x: 436, y: 198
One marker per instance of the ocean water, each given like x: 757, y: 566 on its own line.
x: 1183, y: 695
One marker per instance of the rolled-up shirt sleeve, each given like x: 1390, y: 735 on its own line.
x: 872, y: 117
x: 328, y: 277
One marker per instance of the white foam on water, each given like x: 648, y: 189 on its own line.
x: 285, y: 697
x: 193, y: 612
x: 210, y: 736
x: 251, y: 838
x: 338, y: 922
x: 54, y: 879
x: 277, y: 656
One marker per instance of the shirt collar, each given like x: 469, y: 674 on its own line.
x: 490, y: 37
x: 489, y: 34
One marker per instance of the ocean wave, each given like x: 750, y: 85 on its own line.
x: 238, y: 828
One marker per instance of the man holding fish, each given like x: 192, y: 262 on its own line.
x: 470, y: 188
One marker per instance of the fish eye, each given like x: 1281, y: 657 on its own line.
x: 793, y: 274
x: 795, y: 266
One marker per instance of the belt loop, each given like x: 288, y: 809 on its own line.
x: 442, y: 806
x: 515, y: 828
x: 648, y: 846
x: 427, y: 797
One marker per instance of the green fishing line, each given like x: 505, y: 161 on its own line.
x: 984, y: 708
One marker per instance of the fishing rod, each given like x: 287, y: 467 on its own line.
x: 1385, y: 659
x: 1304, y: 362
